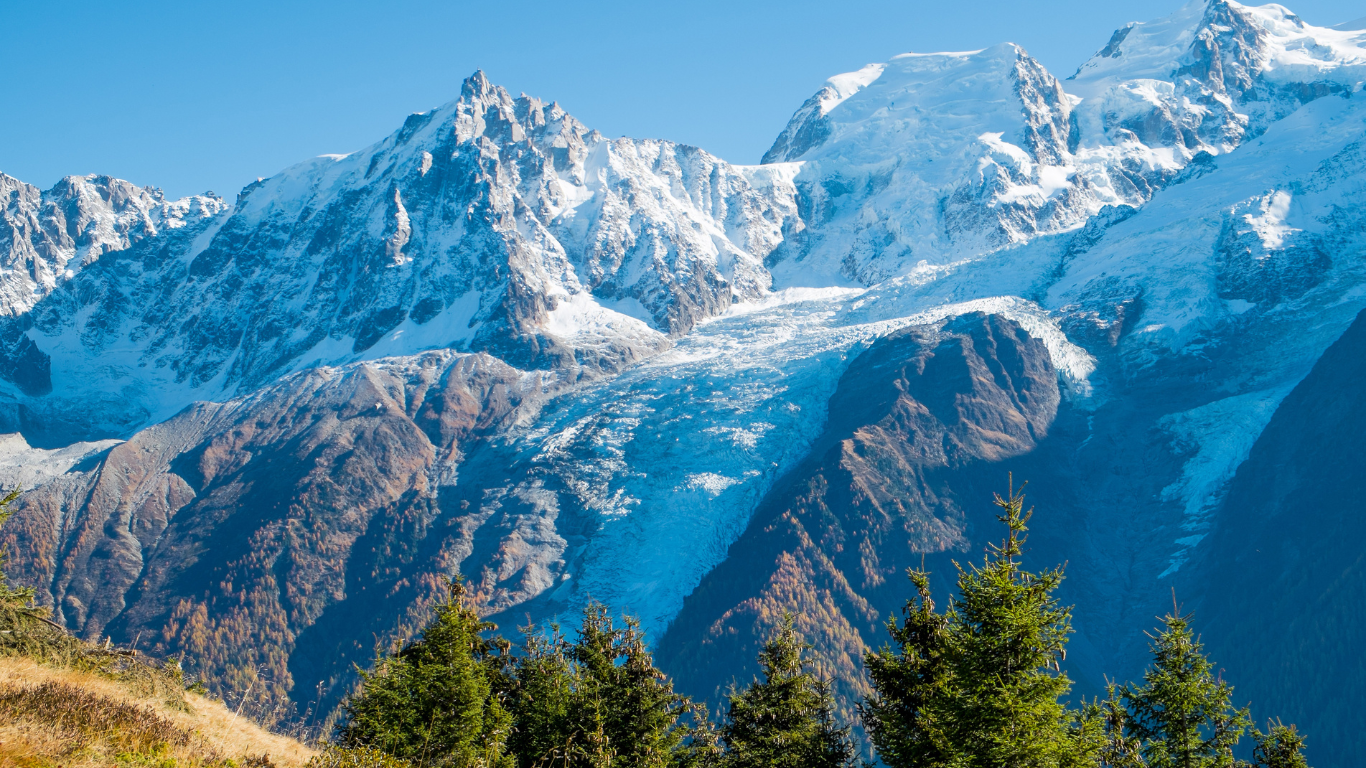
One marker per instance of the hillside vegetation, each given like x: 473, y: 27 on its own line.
x: 71, y: 704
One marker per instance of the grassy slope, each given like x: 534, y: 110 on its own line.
x: 70, y: 704
x: 68, y: 717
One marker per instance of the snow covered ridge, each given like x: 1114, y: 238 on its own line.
x: 46, y: 237
x: 937, y: 157
x: 1207, y: 78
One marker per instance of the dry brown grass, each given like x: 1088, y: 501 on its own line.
x: 52, y: 717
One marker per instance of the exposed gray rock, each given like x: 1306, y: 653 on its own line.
x: 46, y: 237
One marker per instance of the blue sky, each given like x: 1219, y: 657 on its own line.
x: 191, y: 96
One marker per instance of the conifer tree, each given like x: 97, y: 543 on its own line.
x: 1007, y: 635
x: 1119, y: 748
x: 1280, y: 747
x: 1183, y: 714
x: 627, y: 708
x: 433, y: 702
x: 905, y: 716
x: 786, y: 720
x: 539, y: 695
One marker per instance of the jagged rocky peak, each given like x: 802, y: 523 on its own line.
x: 487, y: 110
x: 46, y: 237
x: 492, y: 223
x: 1210, y: 76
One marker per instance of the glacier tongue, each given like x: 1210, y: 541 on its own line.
x: 670, y: 458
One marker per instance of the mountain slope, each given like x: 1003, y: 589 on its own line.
x: 317, y: 500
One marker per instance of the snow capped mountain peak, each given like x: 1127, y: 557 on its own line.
x: 491, y: 223
x: 862, y: 105
x: 1226, y: 46
x: 502, y: 224
x: 929, y: 159
x: 47, y: 237
x: 949, y: 154
x: 808, y: 126
x: 1210, y: 75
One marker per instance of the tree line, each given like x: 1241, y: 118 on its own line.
x: 978, y: 684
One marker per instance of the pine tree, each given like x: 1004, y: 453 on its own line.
x: 905, y: 715
x: 1007, y: 635
x: 1182, y: 714
x: 539, y: 695
x: 1119, y: 749
x: 627, y: 709
x: 786, y: 720
x: 433, y: 702
x: 1280, y: 747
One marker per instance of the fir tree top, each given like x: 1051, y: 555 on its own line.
x: 1182, y: 712
x: 1007, y: 638
x: 785, y: 720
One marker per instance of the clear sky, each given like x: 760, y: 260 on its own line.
x: 191, y: 95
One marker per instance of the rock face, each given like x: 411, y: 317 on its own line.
x: 831, y: 542
x: 492, y: 223
x: 574, y: 368
x: 47, y: 237
x: 278, y: 535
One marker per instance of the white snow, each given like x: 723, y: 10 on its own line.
x: 1270, y: 226
x: 581, y: 316
x: 1218, y: 437
x: 846, y: 85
